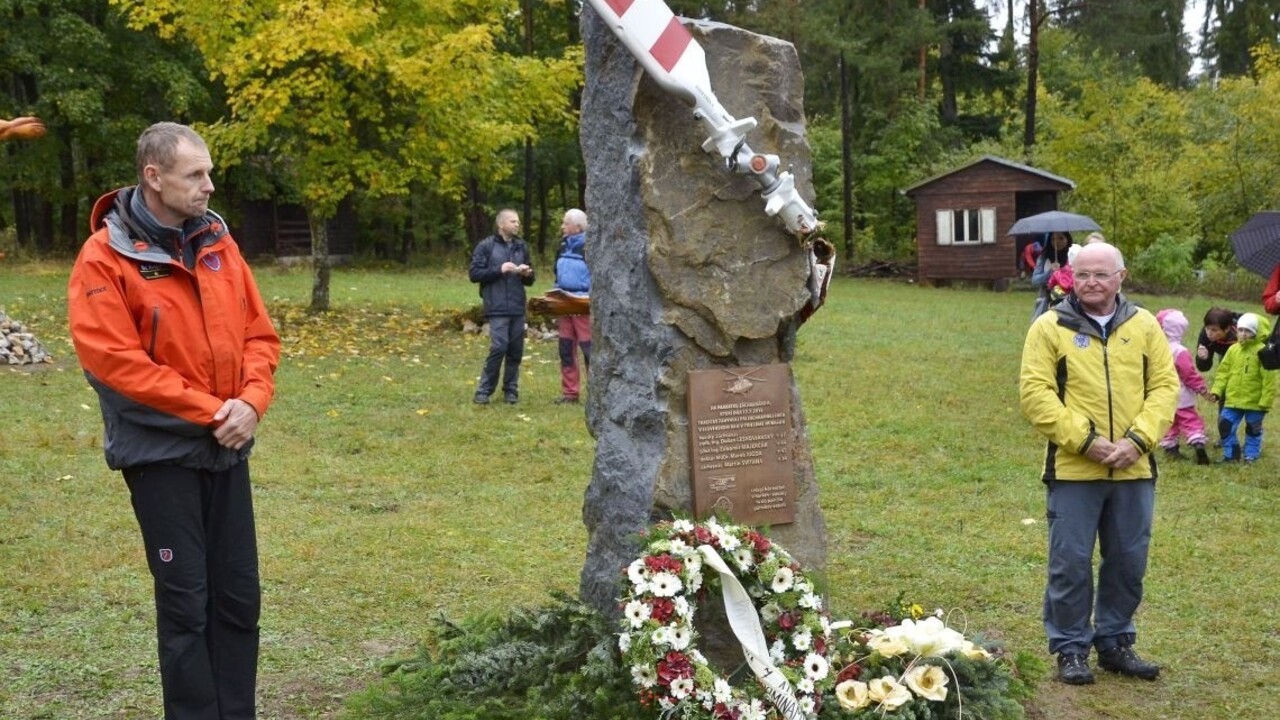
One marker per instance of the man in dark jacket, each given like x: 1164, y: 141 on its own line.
x: 502, y: 266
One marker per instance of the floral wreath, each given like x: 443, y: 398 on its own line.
x: 657, y: 635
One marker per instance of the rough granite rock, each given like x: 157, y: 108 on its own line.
x: 688, y: 273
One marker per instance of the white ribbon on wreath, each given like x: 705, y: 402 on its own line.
x: 744, y: 620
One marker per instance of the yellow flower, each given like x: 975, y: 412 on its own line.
x: 928, y: 681
x: 888, y: 693
x: 974, y: 652
x: 852, y: 695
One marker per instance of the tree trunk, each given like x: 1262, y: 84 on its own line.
x: 1033, y: 69
x: 846, y: 159
x: 69, y: 213
x: 319, y: 263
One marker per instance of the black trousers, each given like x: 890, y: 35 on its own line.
x: 202, y: 550
x: 506, y: 342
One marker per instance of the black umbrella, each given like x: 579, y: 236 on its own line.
x: 1257, y: 243
x: 1053, y: 221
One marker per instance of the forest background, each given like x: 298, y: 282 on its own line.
x: 429, y: 115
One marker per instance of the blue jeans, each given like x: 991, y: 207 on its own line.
x: 1117, y: 513
x: 1229, y: 424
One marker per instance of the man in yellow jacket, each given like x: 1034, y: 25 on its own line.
x: 1098, y: 382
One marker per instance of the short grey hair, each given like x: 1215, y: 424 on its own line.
x: 158, y: 145
x: 577, y: 217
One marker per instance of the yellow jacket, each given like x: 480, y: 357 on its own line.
x: 1075, y: 386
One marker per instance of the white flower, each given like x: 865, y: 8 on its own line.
x: 754, y: 711
x: 722, y: 690
x: 681, y: 637
x: 778, y: 651
x: 683, y: 608
x: 665, y: 584
x: 815, y: 666
x: 694, y: 581
x: 705, y: 699
x: 928, y: 681
x: 624, y: 642
x: 806, y: 705
x: 638, y: 573
x: 811, y: 601
x: 666, y: 703
x: 805, y: 686
x: 852, y: 695
x: 742, y: 556
x: 644, y: 675
x: 679, y: 547
x: 681, y: 688
x: 769, y: 612
x: 681, y: 526
x: 663, y: 635
x: 729, y: 542
x: 783, y: 579
x: 693, y: 564
x: 887, y: 645
x: 697, y: 656
x: 927, y: 637
x: 637, y: 612
x: 803, y: 586
x: 888, y: 693
x: 802, y: 639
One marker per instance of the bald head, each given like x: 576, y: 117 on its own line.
x: 1100, y: 252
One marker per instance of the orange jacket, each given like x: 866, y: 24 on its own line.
x: 165, y: 345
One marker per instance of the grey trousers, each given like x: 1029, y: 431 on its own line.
x: 1118, y: 514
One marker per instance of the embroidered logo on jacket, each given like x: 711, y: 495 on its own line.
x: 213, y: 261
x: 152, y: 271
x: 1082, y: 341
x: 166, y: 555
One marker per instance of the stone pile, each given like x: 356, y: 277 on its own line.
x: 19, y: 347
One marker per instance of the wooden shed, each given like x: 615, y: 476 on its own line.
x: 962, y: 217
x: 277, y: 229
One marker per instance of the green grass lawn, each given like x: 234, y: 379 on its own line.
x: 385, y: 498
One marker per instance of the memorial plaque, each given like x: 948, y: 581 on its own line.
x: 740, y: 444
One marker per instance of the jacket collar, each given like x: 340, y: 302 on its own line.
x: 1071, y: 315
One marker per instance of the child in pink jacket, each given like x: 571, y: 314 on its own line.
x: 1186, y: 421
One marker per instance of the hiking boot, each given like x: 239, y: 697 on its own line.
x: 566, y: 400
x: 1124, y: 660
x: 512, y: 398
x: 480, y: 399
x: 1202, y: 456
x: 1074, y: 669
x: 1174, y: 453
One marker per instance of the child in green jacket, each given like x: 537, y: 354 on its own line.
x: 1246, y: 389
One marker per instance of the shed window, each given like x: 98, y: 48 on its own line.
x: 967, y: 227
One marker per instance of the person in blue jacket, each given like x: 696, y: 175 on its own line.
x: 501, y: 265
x: 574, y: 278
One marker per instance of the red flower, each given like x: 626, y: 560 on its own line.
x: 786, y: 621
x: 722, y: 712
x: 704, y: 536
x: 661, y: 609
x: 820, y: 645
x: 760, y: 543
x: 664, y: 562
x: 852, y: 671
x: 674, y: 667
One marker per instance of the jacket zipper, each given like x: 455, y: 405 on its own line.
x: 1111, y: 423
x: 155, y: 331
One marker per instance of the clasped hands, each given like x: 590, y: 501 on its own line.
x: 1118, y: 455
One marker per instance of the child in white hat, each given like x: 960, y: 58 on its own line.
x: 1246, y: 389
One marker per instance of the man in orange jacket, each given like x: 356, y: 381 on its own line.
x: 172, y: 334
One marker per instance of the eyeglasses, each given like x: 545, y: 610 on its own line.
x: 1085, y: 276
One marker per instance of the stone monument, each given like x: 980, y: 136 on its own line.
x: 688, y: 274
